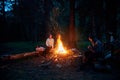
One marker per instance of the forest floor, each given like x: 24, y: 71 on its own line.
x: 31, y: 69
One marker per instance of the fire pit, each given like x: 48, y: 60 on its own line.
x: 62, y: 56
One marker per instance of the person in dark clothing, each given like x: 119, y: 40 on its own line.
x: 95, y: 49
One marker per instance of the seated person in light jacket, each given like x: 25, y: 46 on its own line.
x: 49, y: 44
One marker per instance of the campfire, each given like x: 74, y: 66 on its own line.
x: 60, y: 49
x: 64, y: 56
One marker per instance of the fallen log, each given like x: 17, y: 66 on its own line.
x: 17, y: 56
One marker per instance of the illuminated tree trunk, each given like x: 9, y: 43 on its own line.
x: 72, y: 34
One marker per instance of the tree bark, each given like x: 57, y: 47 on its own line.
x: 72, y: 34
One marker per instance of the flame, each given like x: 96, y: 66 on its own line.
x: 60, y: 49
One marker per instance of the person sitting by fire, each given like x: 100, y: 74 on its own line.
x: 49, y: 44
x: 95, y: 49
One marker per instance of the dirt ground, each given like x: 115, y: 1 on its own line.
x: 32, y: 69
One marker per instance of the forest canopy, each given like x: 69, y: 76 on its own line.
x: 32, y: 20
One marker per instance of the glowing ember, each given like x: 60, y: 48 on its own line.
x: 59, y: 48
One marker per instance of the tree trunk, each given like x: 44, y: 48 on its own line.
x: 95, y: 8
x: 47, y: 6
x: 99, y: 10
x: 72, y: 34
x: 111, y: 13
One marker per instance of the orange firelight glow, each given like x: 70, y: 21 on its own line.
x: 60, y: 48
